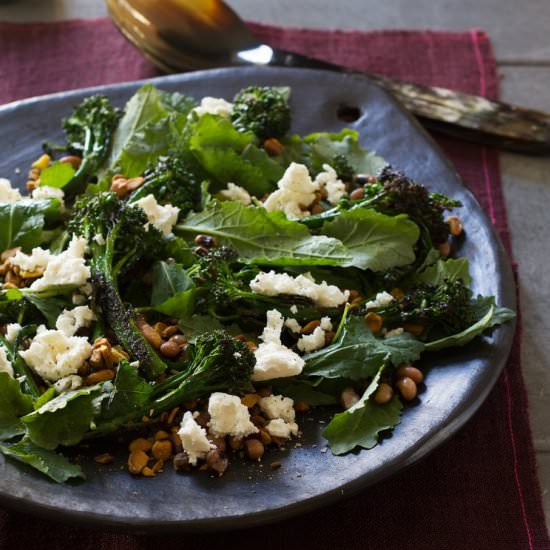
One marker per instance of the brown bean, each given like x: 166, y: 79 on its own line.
x: 162, y: 450
x: 254, y: 449
x: 410, y: 371
x: 170, y: 349
x: 73, y: 160
x: 100, y: 376
x: 357, y: 194
x: 348, y: 398
x: 179, y: 339
x: 149, y: 333
x: 383, y: 394
x: 217, y: 461
x: 311, y: 326
x: 407, y: 388
x: 273, y: 146
x: 181, y: 461
x: 456, y: 227
x: 169, y: 331
x: 374, y: 322
x: 140, y: 444
x: 137, y: 461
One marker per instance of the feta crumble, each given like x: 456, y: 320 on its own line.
x: 277, y: 406
x: 329, y: 180
x: 47, y: 192
x: 279, y: 428
x: 162, y: 217
x: 37, y: 259
x: 322, y: 294
x: 7, y: 192
x: 236, y: 193
x: 12, y: 331
x: 293, y: 325
x: 67, y: 268
x: 214, y: 106
x: 294, y: 309
x: 326, y: 324
x: 273, y: 359
x: 395, y: 332
x: 193, y: 438
x: 54, y: 355
x: 312, y: 342
x: 68, y: 383
x: 295, y: 192
x: 71, y: 320
x: 5, y: 365
x: 382, y: 299
x: 228, y: 416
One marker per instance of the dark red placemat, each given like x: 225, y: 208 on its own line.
x: 479, y: 490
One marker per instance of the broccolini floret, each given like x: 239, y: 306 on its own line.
x: 262, y: 110
x: 118, y: 236
x: 89, y: 132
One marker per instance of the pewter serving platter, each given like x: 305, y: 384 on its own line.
x: 248, y: 494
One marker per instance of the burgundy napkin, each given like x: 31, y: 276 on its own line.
x: 479, y: 490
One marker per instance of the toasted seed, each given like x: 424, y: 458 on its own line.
x: 133, y: 183
x: 254, y: 449
x: 119, y: 186
x: 250, y: 399
x: 181, y: 461
x: 273, y: 146
x: 107, y: 356
x: 374, y: 322
x: 137, y: 461
x: 456, y: 227
x: 383, y: 394
x: 357, y: 194
x: 148, y: 472
x: 140, y: 444
x: 311, y: 326
x: 415, y: 329
x: 157, y: 466
x: 170, y: 349
x: 117, y: 355
x: 172, y: 415
x: 42, y: 162
x: 149, y: 332
x: 407, y: 388
x: 99, y: 376
x: 9, y: 253
x: 412, y: 372
x: 348, y: 398
x: 162, y: 450
x: 104, y: 458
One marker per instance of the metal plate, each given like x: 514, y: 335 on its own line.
x: 250, y: 494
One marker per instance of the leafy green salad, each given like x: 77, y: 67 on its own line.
x: 192, y: 275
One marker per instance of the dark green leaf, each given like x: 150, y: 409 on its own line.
x: 305, y: 391
x: 376, y: 242
x: 50, y: 306
x: 54, y: 465
x: 261, y: 237
x: 451, y: 269
x: 169, y: 279
x: 13, y: 404
x: 358, y: 354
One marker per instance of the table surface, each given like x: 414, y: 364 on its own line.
x: 523, y: 54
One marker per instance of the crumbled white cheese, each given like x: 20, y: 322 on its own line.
x: 382, y: 299
x: 277, y: 406
x: 329, y: 180
x: 7, y: 192
x: 5, y: 365
x: 54, y: 355
x: 236, y: 193
x: 394, y: 332
x: 293, y: 325
x: 273, y: 359
x: 322, y: 294
x: 37, y: 259
x: 326, y: 324
x: 193, y: 438
x: 71, y: 320
x: 312, y: 342
x: 68, y: 383
x: 47, y: 192
x: 228, y: 416
x: 279, y: 428
x: 294, y: 309
x: 67, y: 268
x: 162, y: 217
x: 99, y: 239
x: 12, y: 331
x: 214, y: 106
x: 295, y: 192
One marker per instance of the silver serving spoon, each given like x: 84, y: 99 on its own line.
x: 181, y: 35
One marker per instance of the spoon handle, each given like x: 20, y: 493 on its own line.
x: 469, y: 117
